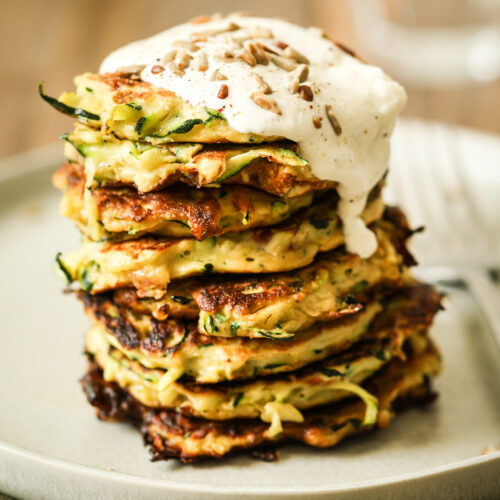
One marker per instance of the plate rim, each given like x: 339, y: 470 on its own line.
x: 356, y: 486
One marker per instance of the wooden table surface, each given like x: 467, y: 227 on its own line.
x: 53, y: 40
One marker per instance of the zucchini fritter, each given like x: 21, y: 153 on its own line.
x: 275, y: 167
x: 178, y: 212
x: 173, y: 435
x: 177, y: 346
x: 125, y: 107
x: 276, y: 306
x: 149, y: 264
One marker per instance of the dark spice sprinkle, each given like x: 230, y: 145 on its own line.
x: 380, y: 355
x: 208, y: 268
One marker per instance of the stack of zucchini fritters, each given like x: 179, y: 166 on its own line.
x: 226, y: 312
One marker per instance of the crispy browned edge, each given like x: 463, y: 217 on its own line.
x: 203, y: 213
x: 412, y: 311
x: 221, y: 291
x: 213, y: 293
x: 343, y: 418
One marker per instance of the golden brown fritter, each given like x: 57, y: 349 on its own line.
x: 177, y: 212
x: 276, y: 306
x: 276, y: 168
x: 123, y: 106
x: 149, y: 264
x: 177, y: 345
x: 173, y: 435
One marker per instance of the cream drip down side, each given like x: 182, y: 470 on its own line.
x: 271, y: 77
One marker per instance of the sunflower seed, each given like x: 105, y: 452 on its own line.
x: 284, y: 63
x: 256, y: 49
x: 182, y: 44
x: 183, y: 59
x: 265, y: 102
x: 261, y: 84
x: 333, y: 120
x: 198, y: 36
x: 258, y: 32
x: 200, y: 62
x: 298, y: 76
x: 248, y: 57
x: 223, y: 91
x: 293, y: 54
x: 306, y: 93
x: 316, y: 121
x: 169, y: 56
x: 217, y: 75
x: 345, y: 49
x: 175, y: 69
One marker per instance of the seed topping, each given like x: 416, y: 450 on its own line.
x: 265, y: 102
x: 333, y: 120
x: 261, y: 84
x: 223, y: 91
x: 306, y: 93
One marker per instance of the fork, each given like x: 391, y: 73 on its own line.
x: 428, y: 178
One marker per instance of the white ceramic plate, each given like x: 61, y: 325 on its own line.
x: 52, y: 446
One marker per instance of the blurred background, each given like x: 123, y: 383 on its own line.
x: 445, y: 52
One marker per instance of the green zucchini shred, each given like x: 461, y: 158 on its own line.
x: 237, y: 399
x: 331, y: 372
x: 275, y: 334
x: 64, y: 108
x: 185, y: 127
x: 181, y: 300
x: 205, y: 345
x: 175, y: 347
x: 67, y: 276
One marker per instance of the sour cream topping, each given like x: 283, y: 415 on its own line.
x: 273, y: 78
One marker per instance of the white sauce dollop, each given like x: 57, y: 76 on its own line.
x: 364, y: 100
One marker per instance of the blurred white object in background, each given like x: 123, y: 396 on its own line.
x: 431, y: 43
